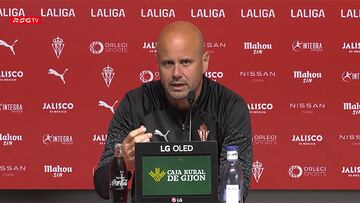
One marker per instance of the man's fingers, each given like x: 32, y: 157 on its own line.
x: 142, y: 137
x: 138, y: 131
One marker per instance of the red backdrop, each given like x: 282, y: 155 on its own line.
x: 295, y: 63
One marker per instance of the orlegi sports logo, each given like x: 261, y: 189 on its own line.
x: 208, y: 13
x: 350, y: 138
x: 351, y: 47
x: 307, y: 76
x: 150, y: 46
x: 50, y: 139
x: 58, y: 107
x: 214, y: 75
x: 10, y: 75
x: 257, y: 13
x: 99, y: 138
x: 57, y: 171
x: 351, y: 171
x: 307, y: 107
x: 11, y: 107
x: 11, y: 170
x: 352, y: 106
x: 8, y: 139
x: 264, y: 139
x: 307, y: 13
x: 158, y: 13
x: 350, y: 13
x: 299, y: 46
x: 178, y: 175
x: 257, y: 170
x: 107, y: 13
x: 258, y: 75
x: 98, y: 47
x: 307, y: 139
x: 148, y: 76
x: 296, y: 171
x: 260, y: 108
x: 349, y: 76
x: 257, y: 47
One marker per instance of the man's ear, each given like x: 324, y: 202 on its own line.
x: 205, y: 61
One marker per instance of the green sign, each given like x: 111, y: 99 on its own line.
x: 176, y: 175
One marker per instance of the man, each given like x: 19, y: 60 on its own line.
x: 158, y: 110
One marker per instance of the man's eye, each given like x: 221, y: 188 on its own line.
x: 167, y: 63
x: 185, y: 62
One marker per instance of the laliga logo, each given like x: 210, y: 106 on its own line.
x: 148, y: 76
x: 96, y: 47
x: 11, y: 47
x: 295, y: 171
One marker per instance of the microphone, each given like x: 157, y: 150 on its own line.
x: 191, y: 99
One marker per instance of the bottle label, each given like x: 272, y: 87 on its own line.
x: 232, y: 194
x: 119, y: 182
x: 232, y: 155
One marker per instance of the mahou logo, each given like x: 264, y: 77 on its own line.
x: 307, y: 139
x: 299, y: 46
x: 148, y: 76
x: 306, y: 76
x: 12, y: 108
x: 264, y: 139
x: 10, y: 139
x: 257, y: 47
x: 97, y: 47
x: 49, y: 139
x: 59, y: 107
x: 260, y: 108
x: 296, y: 171
x: 99, y: 138
x: 150, y: 46
x: 58, y: 171
x: 307, y: 107
x: 10, y: 75
x: 351, y: 171
x: 214, y: 75
x: 351, y: 47
x: 353, y: 107
x: 348, y: 76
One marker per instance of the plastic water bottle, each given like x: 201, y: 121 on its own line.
x: 232, y: 178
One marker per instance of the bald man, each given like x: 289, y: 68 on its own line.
x: 158, y: 110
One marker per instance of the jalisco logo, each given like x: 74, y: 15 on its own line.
x: 157, y: 13
x: 58, y: 46
x: 58, y: 171
x: 9, y: 139
x: 107, y: 13
x: 351, y: 47
x: 307, y: 139
x: 10, y: 75
x: 257, y: 13
x: 108, y: 74
x: 97, y: 47
x: 99, y: 138
x: 12, y: 12
x: 307, y: 107
x: 350, y: 13
x: 58, y: 12
x: 148, y: 76
x: 11, y: 47
x: 177, y: 175
x: 257, y: 170
x: 348, y: 76
x: 260, y: 108
x: 257, y: 47
x: 354, y: 107
x: 214, y: 75
x: 307, y: 77
x: 58, y: 107
x: 298, y: 46
x: 264, y: 139
x: 351, y: 171
x: 207, y: 13
x: 49, y: 139
x: 104, y: 104
x: 13, y: 108
x: 307, y: 13
x: 55, y: 73
x: 151, y: 46
x: 296, y: 171
x: 157, y: 174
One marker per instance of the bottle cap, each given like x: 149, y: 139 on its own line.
x: 118, y: 150
x: 232, y: 152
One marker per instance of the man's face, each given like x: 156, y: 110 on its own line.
x: 181, y: 66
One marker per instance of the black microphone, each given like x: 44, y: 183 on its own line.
x: 191, y: 99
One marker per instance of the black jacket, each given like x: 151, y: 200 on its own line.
x: 219, y: 110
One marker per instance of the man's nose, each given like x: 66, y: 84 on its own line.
x: 177, y: 73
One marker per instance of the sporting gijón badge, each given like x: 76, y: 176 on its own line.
x: 203, y: 132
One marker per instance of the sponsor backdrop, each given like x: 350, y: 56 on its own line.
x: 64, y: 67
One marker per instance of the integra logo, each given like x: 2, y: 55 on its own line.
x: 13, y: 108
x: 298, y: 46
